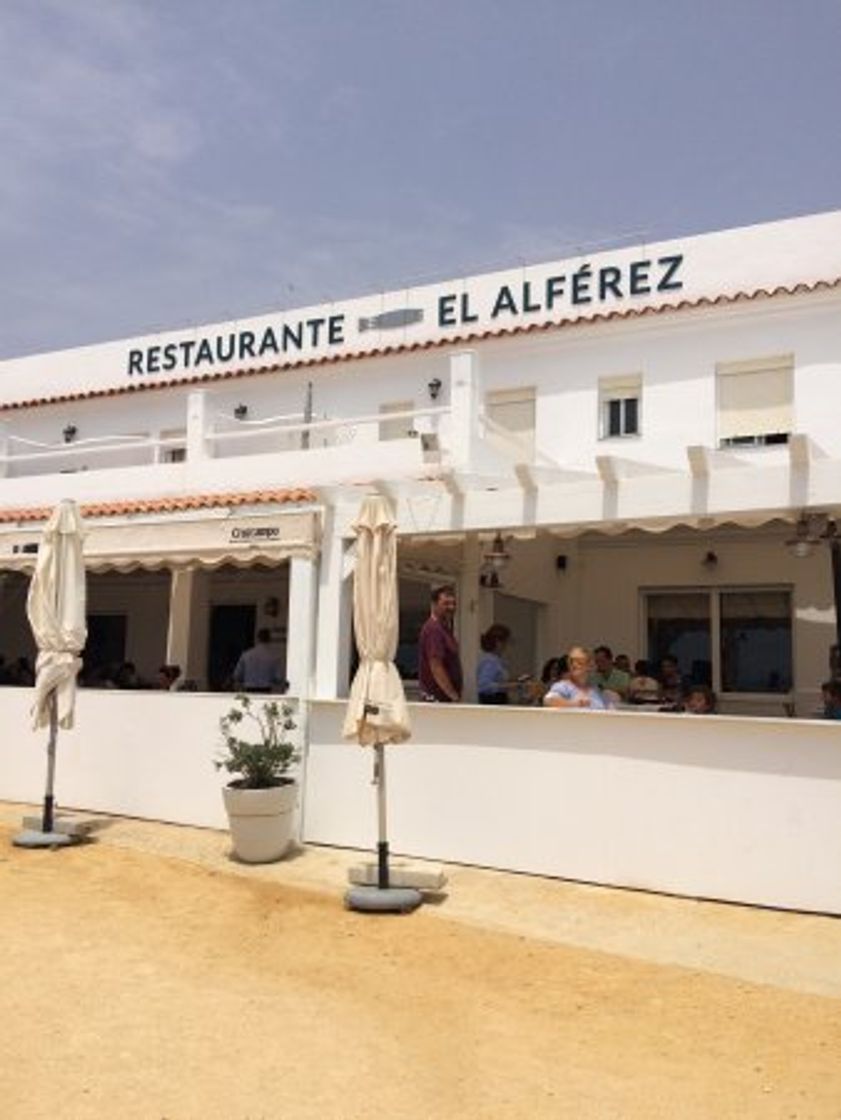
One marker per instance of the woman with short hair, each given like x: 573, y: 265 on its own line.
x: 576, y: 691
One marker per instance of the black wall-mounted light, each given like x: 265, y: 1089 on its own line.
x: 70, y: 433
x: 710, y: 561
x: 434, y: 388
x: 495, y: 561
x: 241, y: 411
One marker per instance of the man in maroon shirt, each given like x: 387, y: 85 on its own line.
x: 439, y: 663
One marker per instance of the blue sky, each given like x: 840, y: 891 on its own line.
x: 170, y: 162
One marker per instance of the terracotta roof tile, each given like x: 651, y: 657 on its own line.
x: 450, y: 340
x: 167, y: 505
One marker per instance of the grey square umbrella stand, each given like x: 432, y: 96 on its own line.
x: 383, y: 898
x: 47, y: 837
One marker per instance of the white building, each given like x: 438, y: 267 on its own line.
x: 645, y: 427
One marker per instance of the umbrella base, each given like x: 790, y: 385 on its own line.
x: 383, y: 900
x: 30, y: 838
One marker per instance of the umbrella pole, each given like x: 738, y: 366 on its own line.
x: 47, y: 824
x: 383, y: 898
x: 382, y: 827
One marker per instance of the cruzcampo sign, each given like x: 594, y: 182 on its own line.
x: 537, y: 293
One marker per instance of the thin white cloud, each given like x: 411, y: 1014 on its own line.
x: 173, y: 162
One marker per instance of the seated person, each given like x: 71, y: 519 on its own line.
x: 831, y: 692
x: 606, y: 675
x: 643, y: 688
x: 672, y: 684
x: 551, y: 671
x: 700, y: 700
x: 623, y: 663
x: 168, y: 677
x: 577, y: 690
x: 554, y: 669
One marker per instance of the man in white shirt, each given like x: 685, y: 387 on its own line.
x: 258, y: 669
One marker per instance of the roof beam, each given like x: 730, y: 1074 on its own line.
x: 451, y: 483
x: 803, y: 450
x: 525, y: 477
x: 607, y: 466
x: 704, y: 460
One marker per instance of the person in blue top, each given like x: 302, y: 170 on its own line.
x: 577, y: 691
x: 492, y: 679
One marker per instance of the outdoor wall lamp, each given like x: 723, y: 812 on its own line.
x: 811, y: 529
x: 70, y: 433
x: 494, y: 563
x: 271, y: 607
x: 241, y: 411
x: 710, y: 561
x: 434, y: 388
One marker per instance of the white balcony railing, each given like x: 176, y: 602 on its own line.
x: 223, y: 438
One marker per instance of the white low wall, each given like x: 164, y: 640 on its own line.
x: 136, y: 754
x: 720, y: 807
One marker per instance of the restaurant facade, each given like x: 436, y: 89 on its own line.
x: 636, y: 447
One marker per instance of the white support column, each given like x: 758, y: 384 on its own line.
x: 465, y: 402
x: 197, y: 445
x: 332, y: 659
x: 302, y: 618
x: 470, y: 615
x: 186, y: 640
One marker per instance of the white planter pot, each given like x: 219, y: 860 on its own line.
x: 261, y: 821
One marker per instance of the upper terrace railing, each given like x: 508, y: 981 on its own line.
x: 217, y: 437
x: 202, y: 448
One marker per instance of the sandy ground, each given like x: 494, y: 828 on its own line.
x: 138, y: 984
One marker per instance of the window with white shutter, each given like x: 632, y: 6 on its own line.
x: 511, y: 413
x: 755, y: 402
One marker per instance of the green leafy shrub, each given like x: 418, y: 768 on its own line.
x: 263, y: 763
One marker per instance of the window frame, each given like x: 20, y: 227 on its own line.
x: 621, y: 389
x: 771, y: 363
x: 714, y: 595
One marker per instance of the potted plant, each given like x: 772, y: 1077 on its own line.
x: 260, y: 800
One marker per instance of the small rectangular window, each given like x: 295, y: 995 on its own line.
x: 619, y: 407
x: 512, y: 414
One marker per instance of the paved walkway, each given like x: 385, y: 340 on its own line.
x: 799, y: 952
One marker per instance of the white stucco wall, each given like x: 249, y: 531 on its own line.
x: 712, y: 807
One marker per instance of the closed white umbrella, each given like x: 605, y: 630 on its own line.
x: 56, y: 611
x: 377, y: 713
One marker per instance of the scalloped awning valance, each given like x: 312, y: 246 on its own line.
x: 176, y: 542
